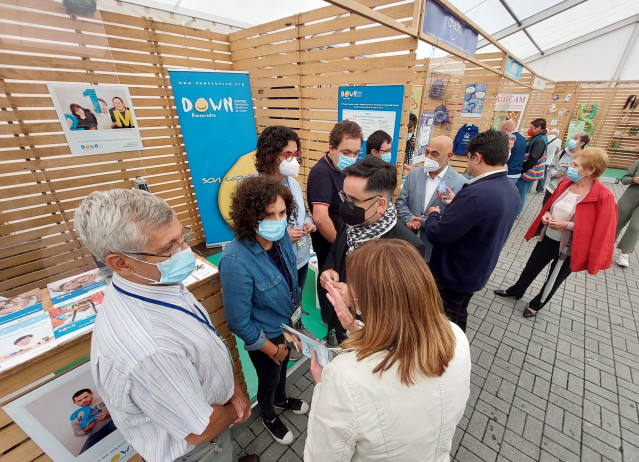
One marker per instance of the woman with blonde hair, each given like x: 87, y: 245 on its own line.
x: 576, y: 226
x: 400, y: 388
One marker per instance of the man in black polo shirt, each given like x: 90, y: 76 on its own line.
x: 325, y: 181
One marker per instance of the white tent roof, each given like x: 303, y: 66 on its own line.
x: 562, y: 40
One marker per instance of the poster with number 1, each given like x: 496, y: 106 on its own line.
x: 96, y: 119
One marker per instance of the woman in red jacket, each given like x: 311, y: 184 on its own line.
x: 581, y: 216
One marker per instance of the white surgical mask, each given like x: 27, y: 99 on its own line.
x: 290, y: 167
x: 431, y: 165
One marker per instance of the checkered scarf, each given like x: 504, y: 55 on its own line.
x: 357, y: 235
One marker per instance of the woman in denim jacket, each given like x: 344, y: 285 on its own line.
x: 259, y: 281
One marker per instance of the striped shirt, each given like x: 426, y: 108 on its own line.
x: 158, y: 370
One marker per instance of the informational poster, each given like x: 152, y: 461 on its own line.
x: 443, y: 25
x: 509, y: 106
x: 416, y: 99
x: 574, y: 127
x: 474, y: 97
x: 513, y: 68
x: 218, y: 126
x: 96, y: 119
x: 424, y: 134
x: 69, y: 420
x: 375, y: 107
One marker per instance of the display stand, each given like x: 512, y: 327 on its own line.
x: 15, y: 445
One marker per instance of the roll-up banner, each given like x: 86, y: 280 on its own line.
x: 218, y: 126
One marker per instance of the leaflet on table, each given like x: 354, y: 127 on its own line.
x: 20, y: 306
x: 305, y: 344
x: 25, y: 338
x: 75, y: 286
x: 203, y: 270
x: 76, y: 315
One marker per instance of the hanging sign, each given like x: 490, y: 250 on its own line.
x: 218, y: 126
x: 442, y: 24
x: 513, y: 69
x: 474, y: 97
x: 509, y: 106
x: 374, y: 107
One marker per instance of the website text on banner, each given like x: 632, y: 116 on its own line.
x: 218, y: 126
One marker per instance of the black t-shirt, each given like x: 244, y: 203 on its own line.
x: 323, y: 187
x: 275, y: 256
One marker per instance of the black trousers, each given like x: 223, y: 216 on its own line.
x: 301, y: 277
x: 271, y: 380
x: 546, y: 251
x: 322, y: 248
x: 456, y: 306
x: 546, y: 197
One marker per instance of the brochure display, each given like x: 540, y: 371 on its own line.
x: 216, y: 107
x: 424, y: 133
x: 69, y: 421
x: 375, y: 107
x: 96, y: 119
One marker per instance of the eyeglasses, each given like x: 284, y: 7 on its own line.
x: 385, y: 151
x: 353, y: 203
x: 186, y: 236
x: 288, y: 155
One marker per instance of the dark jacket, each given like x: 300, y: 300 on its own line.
x: 337, y: 256
x: 468, y: 238
x: 516, y: 160
x: 536, y: 147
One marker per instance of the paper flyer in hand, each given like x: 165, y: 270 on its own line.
x: 305, y: 344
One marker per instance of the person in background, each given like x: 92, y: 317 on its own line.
x: 103, y: 118
x: 536, y: 149
x: 86, y: 118
x: 561, y: 161
x: 554, y: 146
x: 468, y: 238
x: 517, y: 152
x: 411, y: 140
x: 366, y: 213
x: 259, y: 281
x: 278, y: 156
x: 419, y: 192
x: 157, y: 361
x: 628, y: 215
x: 325, y: 181
x: 379, y: 145
x: 580, y: 217
x: 400, y: 387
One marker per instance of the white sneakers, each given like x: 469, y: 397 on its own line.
x: 623, y: 260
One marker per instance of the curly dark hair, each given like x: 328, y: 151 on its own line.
x: 271, y: 142
x: 345, y: 128
x: 250, y: 200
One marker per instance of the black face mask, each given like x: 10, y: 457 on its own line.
x: 353, y: 216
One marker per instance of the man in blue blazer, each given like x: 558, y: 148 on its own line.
x: 419, y: 192
x: 468, y: 238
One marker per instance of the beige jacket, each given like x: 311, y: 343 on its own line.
x: 359, y: 416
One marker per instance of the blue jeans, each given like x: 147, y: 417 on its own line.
x: 523, y: 186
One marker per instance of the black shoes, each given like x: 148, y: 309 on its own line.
x: 293, y: 404
x: 278, y: 431
x: 528, y: 313
x: 502, y: 293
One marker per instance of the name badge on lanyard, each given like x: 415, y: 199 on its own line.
x: 297, y: 315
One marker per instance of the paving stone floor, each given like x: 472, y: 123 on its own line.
x: 563, y: 386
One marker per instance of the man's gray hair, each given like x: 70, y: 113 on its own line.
x: 510, y: 136
x: 119, y: 220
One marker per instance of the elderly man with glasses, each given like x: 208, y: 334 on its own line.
x: 159, y: 364
x: 366, y: 213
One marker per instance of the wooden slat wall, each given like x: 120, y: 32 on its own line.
x: 41, y: 184
x: 296, y: 65
x: 608, y: 120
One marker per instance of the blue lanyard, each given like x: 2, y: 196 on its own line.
x: 287, y: 277
x: 203, y: 319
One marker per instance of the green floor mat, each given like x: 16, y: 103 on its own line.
x: 614, y: 173
x: 312, y: 321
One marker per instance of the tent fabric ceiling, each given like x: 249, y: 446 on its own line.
x: 541, y: 33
